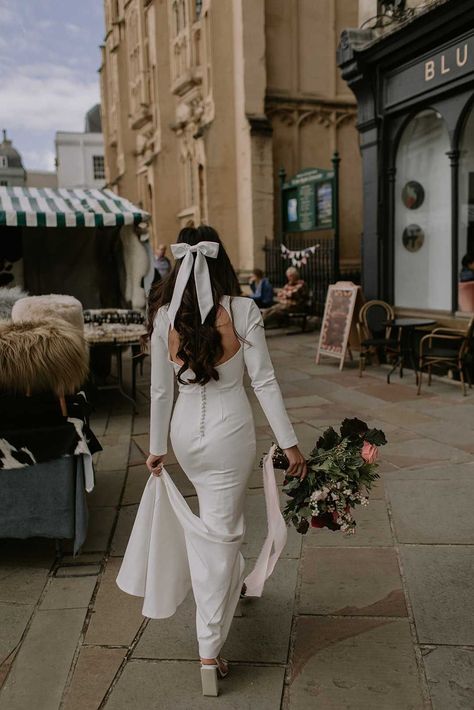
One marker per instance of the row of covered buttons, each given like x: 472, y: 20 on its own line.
x: 203, y: 410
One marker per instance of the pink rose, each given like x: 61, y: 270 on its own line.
x: 369, y: 452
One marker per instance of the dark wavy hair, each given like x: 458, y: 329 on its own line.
x: 200, y: 344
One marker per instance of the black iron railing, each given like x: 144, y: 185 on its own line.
x: 318, y: 272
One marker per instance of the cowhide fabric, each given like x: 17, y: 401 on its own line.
x: 33, y: 430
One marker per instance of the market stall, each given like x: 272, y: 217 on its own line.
x: 93, y: 246
x: 87, y: 243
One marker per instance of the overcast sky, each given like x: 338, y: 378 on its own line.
x: 49, y: 57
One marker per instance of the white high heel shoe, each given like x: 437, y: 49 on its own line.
x: 210, y: 674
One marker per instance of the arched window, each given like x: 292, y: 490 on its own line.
x: 466, y: 188
x: 422, y: 249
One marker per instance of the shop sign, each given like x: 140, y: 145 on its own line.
x: 433, y: 70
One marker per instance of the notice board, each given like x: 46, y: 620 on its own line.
x: 343, y: 302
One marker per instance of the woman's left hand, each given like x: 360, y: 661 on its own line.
x: 155, y: 464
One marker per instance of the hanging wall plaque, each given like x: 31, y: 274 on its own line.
x: 413, y: 237
x: 413, y: 195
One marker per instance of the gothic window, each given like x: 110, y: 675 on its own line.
x: 198, y: 9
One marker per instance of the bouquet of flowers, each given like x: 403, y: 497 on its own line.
x: 341, y: 471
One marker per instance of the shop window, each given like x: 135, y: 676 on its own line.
x: 466, y: 190
x: 422, y: 236
x: 98, y: 166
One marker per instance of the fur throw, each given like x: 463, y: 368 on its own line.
x: 8, y: 297
x: 39, y: 308
x: 47, y: 356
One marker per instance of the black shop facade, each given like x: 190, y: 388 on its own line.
x: 415, y: 91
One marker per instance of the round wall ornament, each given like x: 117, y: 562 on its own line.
x: 413, y: 195
x: 413, y: 237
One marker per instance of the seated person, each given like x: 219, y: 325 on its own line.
x: 291, y: 298
x: 262, y: 290
x: 467, y: 271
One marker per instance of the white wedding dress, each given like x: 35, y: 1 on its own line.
x: 212, y: 433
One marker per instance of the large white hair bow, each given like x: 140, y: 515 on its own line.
x: 201, y: 276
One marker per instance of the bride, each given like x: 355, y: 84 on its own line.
x: 204, y: 335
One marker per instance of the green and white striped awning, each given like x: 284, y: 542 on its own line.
x: 45, y: 207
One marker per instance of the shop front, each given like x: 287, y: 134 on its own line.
x: 415, y: 92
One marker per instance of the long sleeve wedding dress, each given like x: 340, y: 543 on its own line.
x: 212, y: 433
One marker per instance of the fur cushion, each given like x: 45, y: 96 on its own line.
x: 39, y: 308
x: 8, y: 297
x: 47, y: 356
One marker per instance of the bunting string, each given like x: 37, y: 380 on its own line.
x: 298, y: 256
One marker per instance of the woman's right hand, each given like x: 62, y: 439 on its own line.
x: 297, y: 462
x: 155, y: 464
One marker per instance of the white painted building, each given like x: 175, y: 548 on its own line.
x: 80, y: 156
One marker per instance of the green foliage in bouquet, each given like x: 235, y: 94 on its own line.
x: 341, y: 468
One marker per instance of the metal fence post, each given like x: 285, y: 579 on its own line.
x: 335, y: 162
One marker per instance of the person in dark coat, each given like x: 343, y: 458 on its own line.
x: 262, y: 290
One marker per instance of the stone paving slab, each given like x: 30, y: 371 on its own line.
x: 68, y: 593
x: 94, y: 672
x: 440, y: 581
x: 347, y: 581
x: 255, y: 636
x: 107, y: 489
x: 172, y: 638
x: 373, y: 529
x: 13, y: 621
x: 101, y: 521
x: 137, y: 477
x: 117, y: 616
x: 353, y: 664
x: 40, y: 670
x: 452, y: 433
x: 78, y: 571
x: 122, y: 532
x: 176, y: 685
x: 22, y: 583
x: 450, y: 675
x: 425, y: 513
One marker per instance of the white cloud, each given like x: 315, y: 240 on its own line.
x: 38, y: 159
x: 7, y: 16
x: 46, y: 97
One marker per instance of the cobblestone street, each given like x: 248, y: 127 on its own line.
x: 382, y: 620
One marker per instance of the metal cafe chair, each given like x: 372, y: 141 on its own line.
x: 374, y: 334
x: 448, y: 347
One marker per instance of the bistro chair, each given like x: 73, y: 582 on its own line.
x: 374, y: 333
x: 450, y: 348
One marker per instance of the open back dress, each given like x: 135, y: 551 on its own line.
x: 212, y: 433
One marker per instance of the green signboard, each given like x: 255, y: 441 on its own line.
x: 308, y: 201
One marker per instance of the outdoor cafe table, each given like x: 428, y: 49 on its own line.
x: 407, y: 327
x: 117, y: 337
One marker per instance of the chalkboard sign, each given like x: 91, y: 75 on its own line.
x: 308, y: 201
x: 342, y: 304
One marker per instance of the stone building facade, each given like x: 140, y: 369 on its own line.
x: 205, y: 100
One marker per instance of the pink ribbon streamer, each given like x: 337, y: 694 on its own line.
x: 276, y: 536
